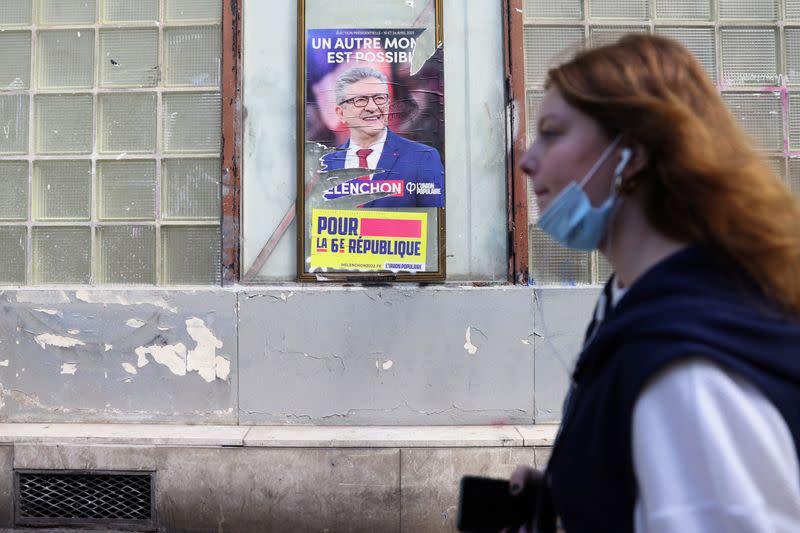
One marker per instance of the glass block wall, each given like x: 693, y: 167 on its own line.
x: 750, y: 49
x: 110, y: 142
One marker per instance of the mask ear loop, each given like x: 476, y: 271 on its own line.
x: 600, y: 161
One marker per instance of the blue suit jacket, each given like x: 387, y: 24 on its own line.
x: 418, y: 165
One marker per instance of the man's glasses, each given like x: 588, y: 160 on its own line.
x: 362, y: 101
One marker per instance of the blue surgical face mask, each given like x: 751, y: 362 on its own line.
x: 572, y: 220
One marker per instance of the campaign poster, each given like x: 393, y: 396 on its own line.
x: 369, y: 240
x: 380, y: 126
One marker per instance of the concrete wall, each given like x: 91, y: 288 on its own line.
x: 103, y: 356
x: 264, y: 484
x: 403, y: 356
x: 290, y: 355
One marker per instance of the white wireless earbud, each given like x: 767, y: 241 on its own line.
x: 624, y: 158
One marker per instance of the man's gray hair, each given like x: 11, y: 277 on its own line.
x: 350, y: 76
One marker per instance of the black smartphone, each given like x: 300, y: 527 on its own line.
x: 486, y: 505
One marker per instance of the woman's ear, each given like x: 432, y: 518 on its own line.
x: 624, y: 157
x: 633, y: 159
x: 639, y: 160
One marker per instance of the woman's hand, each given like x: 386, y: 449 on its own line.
x: 524, y: 484
x: 525, y: 479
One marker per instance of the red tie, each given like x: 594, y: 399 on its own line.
x: 362, y: 160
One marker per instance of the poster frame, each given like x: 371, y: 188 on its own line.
x: 354, y: 276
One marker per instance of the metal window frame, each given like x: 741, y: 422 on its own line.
x: 516, y: 139
x: 231, y: 195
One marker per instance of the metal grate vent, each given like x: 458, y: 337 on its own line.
x: 74, y: 498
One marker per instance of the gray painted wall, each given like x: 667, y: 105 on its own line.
x: 98, y: 356
x: 560, y: 319
x: 290, y: 355
x: 401, y: 356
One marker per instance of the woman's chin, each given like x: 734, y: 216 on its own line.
x: 542, y: 203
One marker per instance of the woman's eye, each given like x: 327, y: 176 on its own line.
x: 547, y: 134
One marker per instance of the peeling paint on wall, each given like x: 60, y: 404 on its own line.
x: 32, y: 401
x: 104, y: 297
x: 134, y: 323
x: 4, y: 362
x: 69, y: 368
x: 48, y: 339
x: 47, y: 311
x: 171, y: 356
x: 129, y: 368
x: 382, y: 365
x: 203, y: 357
x: 222, y: 366
x: 42, y: 297
x: 468, y: 346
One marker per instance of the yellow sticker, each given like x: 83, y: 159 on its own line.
x: 367, y: 240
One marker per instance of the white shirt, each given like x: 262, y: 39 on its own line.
x: 710, y: 453
x: 351, y: 158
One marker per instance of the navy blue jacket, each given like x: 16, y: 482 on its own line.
x: 419, y: 166
x: 694, y: 303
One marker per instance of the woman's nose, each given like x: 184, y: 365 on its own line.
x: 529, y: 164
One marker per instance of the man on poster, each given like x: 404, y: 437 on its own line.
x: 414, y: 170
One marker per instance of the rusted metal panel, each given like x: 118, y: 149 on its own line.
x: 231, y: 139
x: 517, y: 181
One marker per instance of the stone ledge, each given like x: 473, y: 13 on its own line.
x: 280, y: 436
x: 70, y: 530
x: 128, y: 434
x: 539, y: 434
x: 384, y: 436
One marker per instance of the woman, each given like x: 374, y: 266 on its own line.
x: 684, y: 412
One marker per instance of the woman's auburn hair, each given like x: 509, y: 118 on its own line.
x: 703, y: 180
